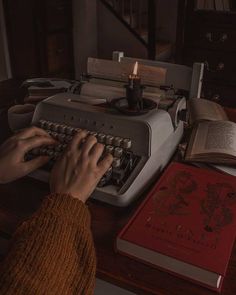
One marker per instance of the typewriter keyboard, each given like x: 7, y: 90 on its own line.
x: 121, y: 148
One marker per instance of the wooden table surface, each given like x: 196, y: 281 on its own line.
x: 20, y: 199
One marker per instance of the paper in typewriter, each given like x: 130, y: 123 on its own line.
x: 109, y: 77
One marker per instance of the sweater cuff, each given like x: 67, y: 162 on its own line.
x: 67, y: 207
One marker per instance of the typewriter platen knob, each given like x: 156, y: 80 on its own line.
x: 127, y: 143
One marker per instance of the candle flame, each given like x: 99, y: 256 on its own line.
x: 135, y: 71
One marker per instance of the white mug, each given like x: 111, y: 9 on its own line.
x: 20, y: 116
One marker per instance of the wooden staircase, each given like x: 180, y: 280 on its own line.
x: 139, y: 17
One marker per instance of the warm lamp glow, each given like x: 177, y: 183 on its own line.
x: 135, y: 71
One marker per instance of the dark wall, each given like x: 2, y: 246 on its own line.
x: 167, y: 12
x: 114, y: 36
x: 97, y: 33
x: 3, y: 46
x: 85, y: 33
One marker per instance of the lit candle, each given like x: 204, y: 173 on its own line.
x: 134, y: 90
x: 134, y: 79
x: 135, y: 71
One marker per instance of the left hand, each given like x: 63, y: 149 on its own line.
x: 12, y: 153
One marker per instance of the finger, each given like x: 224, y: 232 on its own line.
x: 37, y: 141
x: 96, y: 152
x: 105, y: 163
x: 89, y: 143
x: 76, y: 141
x: 34, y: 164
x: 32, y: 131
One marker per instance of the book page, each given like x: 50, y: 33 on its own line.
x: 203, y: 109
x: 216, y: 138
x: 225, y: 169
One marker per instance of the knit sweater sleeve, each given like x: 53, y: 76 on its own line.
x: 52, y: 253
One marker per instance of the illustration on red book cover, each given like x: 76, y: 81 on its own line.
x: 216, y: 207
x: 188, y: 214
x: 176, y: 198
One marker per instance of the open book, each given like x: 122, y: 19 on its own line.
x: 213, y: 137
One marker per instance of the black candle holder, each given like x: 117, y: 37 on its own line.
x: 133, y: 104
x: 134, y: 96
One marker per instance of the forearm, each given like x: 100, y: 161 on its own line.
x: 52, y: 252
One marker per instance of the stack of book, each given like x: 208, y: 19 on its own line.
x: 41, y: 88
x: 219, y: 5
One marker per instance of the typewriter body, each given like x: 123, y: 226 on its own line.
x: 141, y: 145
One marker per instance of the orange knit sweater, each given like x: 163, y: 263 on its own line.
x: 52, y: 253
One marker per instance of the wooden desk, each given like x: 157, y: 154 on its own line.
x: 20, y: 199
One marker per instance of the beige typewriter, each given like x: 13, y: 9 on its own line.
x: 141, y: 144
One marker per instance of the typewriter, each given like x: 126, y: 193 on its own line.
x: 141, y: 145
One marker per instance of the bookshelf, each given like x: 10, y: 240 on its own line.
x: 215, y: 5
x: 209, y: 36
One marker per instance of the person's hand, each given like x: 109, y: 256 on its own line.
x: 12, y: 153
x: 80, y: 168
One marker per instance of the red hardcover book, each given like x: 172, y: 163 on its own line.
x: 186, y: 225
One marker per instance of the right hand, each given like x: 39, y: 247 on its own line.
x: 79, y: 169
